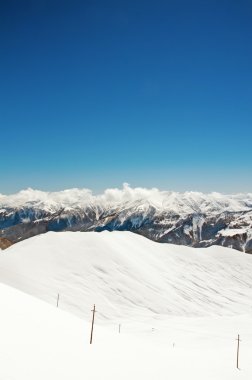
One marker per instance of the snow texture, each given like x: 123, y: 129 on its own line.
x: 129, y: 276
x: 180, y: 309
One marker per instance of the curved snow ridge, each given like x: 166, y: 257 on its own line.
x: 181, y: 203
x: 128, y: 276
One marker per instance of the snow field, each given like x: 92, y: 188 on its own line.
x: 39, y: 341
x: 180, y: 309
x: 129, y: 276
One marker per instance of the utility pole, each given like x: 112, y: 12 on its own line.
x: 119, y: 328
x: 92, y: 328
x: 238, y: 351
x: 58, y: 300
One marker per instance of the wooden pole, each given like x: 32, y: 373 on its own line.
x: 119, y: 328
x: 92, y: 328
x: 58, y: 300
x: 238, y: 352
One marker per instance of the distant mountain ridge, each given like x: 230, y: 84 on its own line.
x: 190, y: 218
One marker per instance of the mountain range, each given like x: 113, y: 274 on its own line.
x: 190, y: 218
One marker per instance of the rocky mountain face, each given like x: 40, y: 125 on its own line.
x: 5, y: 243
x: 192, y: 219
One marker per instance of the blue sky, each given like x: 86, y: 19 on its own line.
x: 153, y: 93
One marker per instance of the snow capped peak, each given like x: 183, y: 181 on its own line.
x: 47, y: 200
x: 190, y: 218
x: 181, y: 203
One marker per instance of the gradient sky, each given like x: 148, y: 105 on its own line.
x: 154, y: 93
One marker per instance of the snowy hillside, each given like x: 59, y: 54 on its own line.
x: 129, y: 276
x: 190, y: 218
x: 41, y: 342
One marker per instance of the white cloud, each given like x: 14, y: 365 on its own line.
x: 179, y: 202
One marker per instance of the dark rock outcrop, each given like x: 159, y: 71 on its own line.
x: 5, y: 243
x: 229, y: 229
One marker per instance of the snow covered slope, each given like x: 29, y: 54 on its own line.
x: 129, y: 276
x: 190, y: 218
x: 41, y: 342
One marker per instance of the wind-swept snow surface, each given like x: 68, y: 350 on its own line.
x: 41, y: 342
x: 128, y: 276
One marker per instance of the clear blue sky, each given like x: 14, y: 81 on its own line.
x: 154, y: 93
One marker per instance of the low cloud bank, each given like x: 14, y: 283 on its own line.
x: 127, y: 194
